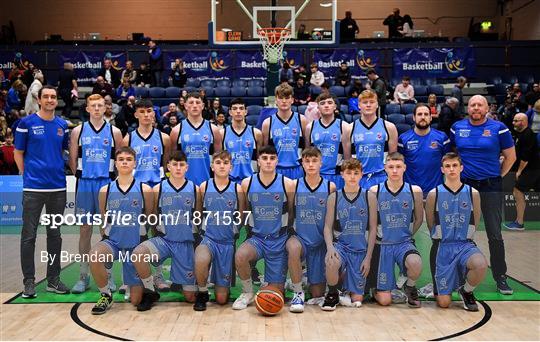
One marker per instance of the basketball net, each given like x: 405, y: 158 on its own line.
x: 273, y: 39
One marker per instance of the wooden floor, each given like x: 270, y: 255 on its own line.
x: 177, y: 321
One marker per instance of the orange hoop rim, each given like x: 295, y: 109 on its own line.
x: 274, y: 34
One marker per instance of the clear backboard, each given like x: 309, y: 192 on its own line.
x: 236, y: 23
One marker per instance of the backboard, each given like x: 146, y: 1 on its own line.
x: 235, y: 23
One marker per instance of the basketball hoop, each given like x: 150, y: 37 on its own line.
x: 273, y: 39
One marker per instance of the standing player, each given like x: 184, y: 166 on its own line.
x: 452, y: 214
x: 423, y: 148
x: 401, y: 213
x: 371, y: 137
x: 152, y: 148
x: 286, y: 131
x: 349, y: 214
x: 308, y: 242
x: 222, y: 205
x: 332, y: 137
x: 197, y: 138
x: 123, y: 200
x: 175, y: 199
x: 91, y: 159
x: 242, y: 141
x: 269, y: 201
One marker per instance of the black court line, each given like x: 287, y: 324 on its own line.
x: 522, y: 283
x: 77, y: 320
x: 483, y: 321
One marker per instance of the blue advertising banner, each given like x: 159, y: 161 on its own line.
x: 12, y: 193
x: 7, y: 58
x: 445, y: 62
x: 204, y: 64
x: 250, y: 64
x: 358, y: 60
x: 87, y: 64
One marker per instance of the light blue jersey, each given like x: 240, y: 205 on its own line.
x: 288, y: 139
x: 176, y: 207
x: 221, y: 210
x: 368, y: 145
x: 243, y: 149
x: 395, y: 220
x: 351, y: 220
x: 96, y: 151
x: 198, y: 145
x: 149, y: 157
x: 454, y: 219
x: 310, y: 211
x: 328, y: 140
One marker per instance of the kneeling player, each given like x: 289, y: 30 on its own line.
x: 175, y: 199
x: 222, y: 207
x: 349, y: 213
x: 129, y: 199
x: 269, y: 200
x: 452, y: 213
x: 400, y: 207
x: 308, y: 242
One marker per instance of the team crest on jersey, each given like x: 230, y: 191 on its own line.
x: 487, y: 133
x: 186, y: 137
x: 227, y: 277
x: 189, y: 274
x: 105, y: 141
x: 277, y: 197
x: 155, y: 149
x: 434, y: 145
x: 294, y: 131
x: 334, y: 137
x: 321, y: 202
x: 230, y: 203
x: 135, y: 203
x: 379, y: 136
x: 405, y: 205
x: 247, y: 143
x: 205, y: 138
x: 188, y: 201
x: 60, y: 132
x: 362, y: 211
x: 464, y: 205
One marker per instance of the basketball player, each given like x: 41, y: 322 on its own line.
x: 308, y: 242
x: 400, y: 207
x: 152, y: 148
x: 91, y: 159
x: 371, y: 137
x: 175, y: 199
x: 452, y: 214
x: 121, y: 203
x: 286, y: 131
x: 197, y: 138
x: 242, y: 141
x: 222, y: 204
x: 269, y: 201
x: 349, y: 214
x: 332, y: 137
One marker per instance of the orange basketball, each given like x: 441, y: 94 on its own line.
x: 269, y: 301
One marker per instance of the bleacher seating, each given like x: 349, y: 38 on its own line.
x: 208, y: 83
x: 396, y: 118
x: 223, y: 83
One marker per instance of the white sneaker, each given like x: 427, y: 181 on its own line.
x: 345, y: 299
x: 243, y: 301
x: 315, y: 301
x: 426, y: 291
x: 401, y: 281
x: 398, y: 296
x: 297, y: 303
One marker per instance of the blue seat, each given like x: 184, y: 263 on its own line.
x: 347, y: 117
x: 527, y: 79
x: 315, y: 91
x: 172, y: 92
x: 190, y: 89
x: 255, y: 91
x: 495, y: 80
x: 510, y: 79
x: 436, y: 89
x: 164, y: 109
x: 238, y: 91
x: 402, y: 128
x: 208, y: 83
x: 222, y: 91
x: 395, y: 81
x: 156, y: 92
x: 193, y: 82
x: 252, y: 119
x: 420, y: 90
x: 254, y: 110
x: 409, y: 119
x: 141, y: 92
x: 256, y: 83
x: 338, y: 91
x: 430, y: 81
x: 396, y: 118
x: 302, y: 109
x: 239, y: 83
x: 223, y: 83
x: 355, y: 117
x: 344, y: 108
x: 392, y: 108
x: 500, y: 88
x: 407, y: 108
x: 209, y: 91
x: 417, y: 81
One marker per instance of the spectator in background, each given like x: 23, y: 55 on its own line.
x: 124, y: 91
x: 184, y: 94
x: 102, y: 88
x: 178, y: 75
x: 130, y: 73
x: 448, y: 115
x: 507, y: 111
x: 156, y: 63
x: 144, y: 77
x: 404, y: 92
x: 352, y: 102
x: 7, y: 158
x: 343, y: 75
x: 115, y: 108
x: 434, y: 107
x: 15, y: 95
x: 28, y: 75
x: 215, y: 109
x: 109, y: 73
x: 378, y: 85
x: 67, y: 88
x: 516, y: 96
x: 457, y: 92
x: 407, y: 29
x: 492, y: 114
x: 4, y: 128
x: 220, y: 121
x: 109, y: 116
x: 533, y: 95
x: 181, y: 108
x: 394, y: 22
x: 172, y: 111
x: 533, y: 116
x: 301, y: 71
x: 32, y: 104
x: 125, y: 120
x: 286, y: 73
x: 301, y: 34
x: 168, y: 124
x: 317, y: 77
x: 15, y: 73
x: 301, y: 92
x: 348, y: 28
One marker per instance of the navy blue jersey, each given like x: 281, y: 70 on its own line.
x: 176, y: 208
x: 268, y: 206
x: 328, y: 140
x: 310, y: 211
x: 221, y: 210
x: 454, y: 219
x: 96, y: 151
x: 288, y: 139
x: 198, y: 145
x: 243, y: 149
x: 149, y: 157
x: 351, y: 220
x: 396, y: 213
x: 368, y: 145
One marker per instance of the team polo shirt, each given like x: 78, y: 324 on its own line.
x: 480, y: 147
x: 43, y: 143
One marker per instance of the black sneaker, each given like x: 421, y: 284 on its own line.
x: 57, y: 287
x: 29, y: 289
x: 103, y: 304
x: 255, y: 276
x: 503, y: 287
x: 469, y: 302
x: 412, y: 296
x: 331, y: 300
x: 149, y: 297
x: 200, y: 301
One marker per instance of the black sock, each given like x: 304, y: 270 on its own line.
x: 332, y: 289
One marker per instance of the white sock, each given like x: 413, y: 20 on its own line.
x: 159, y: 271
x: 105, y: 290
x: 468, y: 287
x: 84, y: 269
x: 247, y: 286
x: 148, y: 283
x: 411, y: 282
x: 297, y: 287
x: 203, y: 288
x: 109, y: 271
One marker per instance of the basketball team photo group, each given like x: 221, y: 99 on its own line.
x: 274, y: 172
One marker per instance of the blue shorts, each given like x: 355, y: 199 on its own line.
x: 182, y: 260
x: 336, y: 179
x: 390, y: 255
x: 451, y: 265
x: 237, y: 180
x: 370, y: 179
x: 129, y: 274
x: 274, y: 253
x: 350, y: 264
x: 295, y: 172
x: 152, y: 184
x: 314, y: 257
x: 222, y: 261
x: 87, y: 195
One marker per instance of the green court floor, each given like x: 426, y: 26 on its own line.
x: 485, y: 291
